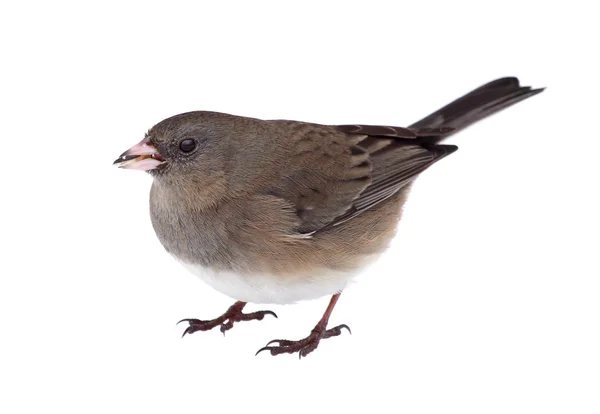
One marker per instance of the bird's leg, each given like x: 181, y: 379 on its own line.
x: 226, y: 321
x: 310, y: 343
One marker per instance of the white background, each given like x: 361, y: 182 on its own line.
x: 487, y: 302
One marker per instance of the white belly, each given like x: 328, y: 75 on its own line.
x: 264, y: 288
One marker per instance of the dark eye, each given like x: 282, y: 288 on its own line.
x: 187, y: 145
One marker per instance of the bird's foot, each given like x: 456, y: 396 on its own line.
x: 225, y: 321
x: 303, y: 346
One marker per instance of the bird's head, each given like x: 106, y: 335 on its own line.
x: 193, y: 143
x: 203, y: 150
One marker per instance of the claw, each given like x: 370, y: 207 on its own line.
x: 336, y: 331
x: 188, y: 330
x: 271, y: 313
x: 264, y: 348
x: 184, y: 320
x: 275, y: 350
x: 281, y: 342
x: 260, y: 315
x: 278, y: 341
x: 340, y: 327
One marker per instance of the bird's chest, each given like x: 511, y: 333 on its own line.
x: 193, y: 237
x: 249, y: 234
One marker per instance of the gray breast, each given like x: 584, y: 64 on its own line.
x: 195, y: 237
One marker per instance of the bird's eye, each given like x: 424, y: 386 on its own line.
x: 187, y: 145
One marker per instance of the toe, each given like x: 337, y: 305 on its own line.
x: 189, y: 330
x: 336, y: 331
x: 226, y: 326
x: 281, y: 342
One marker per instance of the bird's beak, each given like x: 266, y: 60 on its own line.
x: 143, y: 156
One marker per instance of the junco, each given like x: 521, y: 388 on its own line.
x: 281, y: 211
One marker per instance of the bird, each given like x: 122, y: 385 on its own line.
x: 280, y: 211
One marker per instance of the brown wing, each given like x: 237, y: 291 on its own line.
x: 398, y: 156
x: 324, y: 174
x: 339, y: 172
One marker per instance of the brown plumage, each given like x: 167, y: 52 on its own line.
x: 280, y: 211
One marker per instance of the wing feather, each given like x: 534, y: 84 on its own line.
x: 341, y: 171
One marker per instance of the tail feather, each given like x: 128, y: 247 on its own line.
x: 477, y: 104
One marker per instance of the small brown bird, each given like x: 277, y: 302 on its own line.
x: 281, y: 211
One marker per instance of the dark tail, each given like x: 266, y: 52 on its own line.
x: 478, y: 104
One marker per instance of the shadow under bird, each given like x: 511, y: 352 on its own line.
x: 281, y: 211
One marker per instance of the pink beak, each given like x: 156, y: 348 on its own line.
x: 143, y: 156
